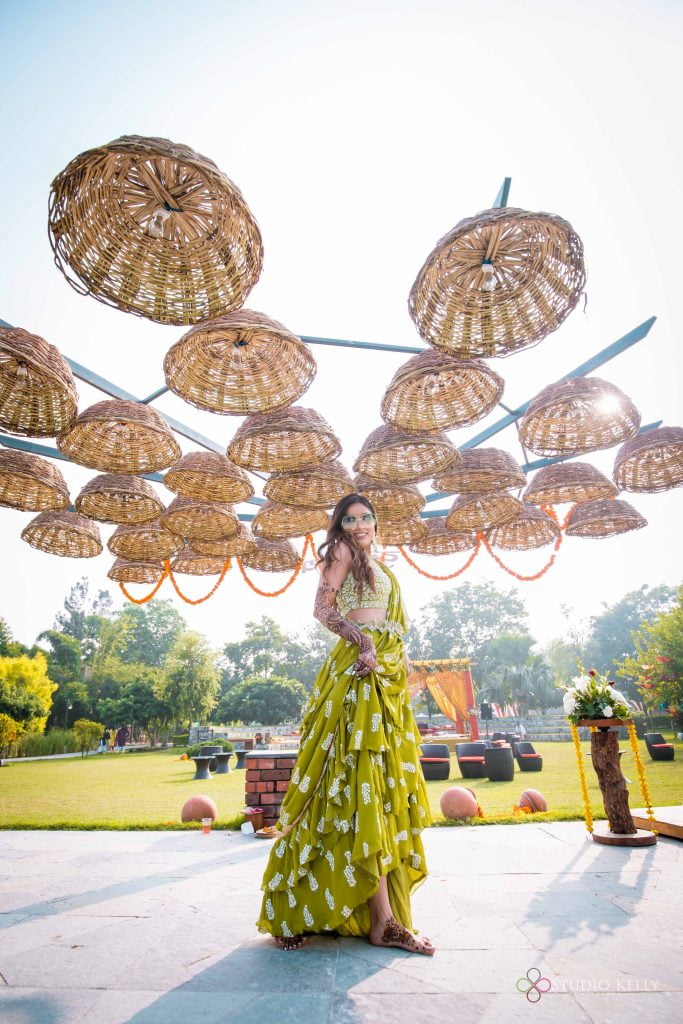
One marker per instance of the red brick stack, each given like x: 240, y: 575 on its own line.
x: 268, y: 775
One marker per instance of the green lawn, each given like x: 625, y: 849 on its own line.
x: 147, y: 790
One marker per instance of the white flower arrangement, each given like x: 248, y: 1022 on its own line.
x: 593, y: 696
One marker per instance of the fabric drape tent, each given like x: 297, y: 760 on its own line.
x: 450, y: 684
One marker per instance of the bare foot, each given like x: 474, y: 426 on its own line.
x: 288, y: 942
x: 394, y: 934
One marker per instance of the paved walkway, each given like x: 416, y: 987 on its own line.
x: 157, y: 928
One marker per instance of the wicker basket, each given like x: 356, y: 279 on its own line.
x: 403, y: 531
x: 439, y: 540
x: 318, y: 487
x: 578, y: 415
x: 153, y: 228
x: 63, y: 533
x: 533, y: 528
x: 30, y: 483
x: 118, y: 436
x: 240, y: 364
x: 278, y: 522
x: 568, y: 481
x: 481, y: 471
x: 209, y: 476
x: 124, y: 571
x: 436, y: 391
x: 393, y: 502
x: 200, y: 520
x: 498, y: 282
x: 651, y: 462
x: 605, y: 517
x: 401, y: 457
x: 482, y: 511
x: 111, y: 498
x: 37, y: 390
x: 242, y: 544
x: 286, y: 439
x: 272, y: 556
x: 190, y: 562
x: 144, y: 542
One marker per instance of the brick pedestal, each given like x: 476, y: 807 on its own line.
x: 268, y: 775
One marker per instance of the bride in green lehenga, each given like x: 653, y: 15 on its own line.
x: 348, y: 850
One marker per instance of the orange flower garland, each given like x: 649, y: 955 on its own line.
x: 517, y: 575
x: 200, y: 600
x: 452, y: 575
x: 276, y: 593
x: 144, y: 600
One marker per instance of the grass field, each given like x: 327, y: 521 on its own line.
x: 147, y: 790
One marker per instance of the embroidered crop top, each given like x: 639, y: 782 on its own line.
x: 347, y: 595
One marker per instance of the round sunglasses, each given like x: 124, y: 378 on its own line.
x: 348, y: 522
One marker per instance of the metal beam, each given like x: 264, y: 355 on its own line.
x: 375, y: 346
x: 54, y: 453
x: 502, y: 197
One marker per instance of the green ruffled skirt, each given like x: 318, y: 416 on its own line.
x: 356, y: 803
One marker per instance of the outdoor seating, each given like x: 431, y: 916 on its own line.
x: 435, y: 759
x: 527, y: 758
x: 470, y: 758
x: 499, y: 765
x: 222, y: 762
x: 658, y: 748
x: 202, y: 762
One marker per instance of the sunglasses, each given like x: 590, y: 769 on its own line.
x: 348, y: 522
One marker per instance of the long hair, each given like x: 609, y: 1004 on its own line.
x: 361, y: 568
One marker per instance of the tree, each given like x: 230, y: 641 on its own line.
x: 189, y: 683
x: 138, y: 702
x: 82, y: 616
x: 26, y: 690
x: 5, y: 638
x: 656, y: 665
x: 149, y: 632
x: 9, y: 731
x: 458, y: 623
x: 515, y: 675
x: 265, y: 701
x: 88, y: 734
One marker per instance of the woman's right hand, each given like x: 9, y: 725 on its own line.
x: 366, y: 661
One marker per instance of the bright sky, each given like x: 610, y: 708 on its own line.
x: 359, y: 134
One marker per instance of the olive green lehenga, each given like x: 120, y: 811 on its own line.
x: 356, y: 803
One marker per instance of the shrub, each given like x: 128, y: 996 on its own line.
x: 56, y: 741
x: 9, y: 731
x: 182, y: 740
x: 193, y: 751
x: 88, y: 734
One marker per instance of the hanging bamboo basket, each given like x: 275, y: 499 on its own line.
x: 606, y: 517
x: 119, y: 436
x: 578, y: 415
x: 567, y: 482
x: 401, y: 457
x: 272, y: 556
x: 242, y: 544
x: 240, y: 364
x: 317, y: 487
x: 209, y: 476
x: 155, y: 229
x: 498, y: 283
x: 532, y: 528
x: 481, y: 471
x: 200, y: 520
x: 144, y: 542
x: 279, y: 522
x: 439, y: 540
x: 190, y: 562
x: 37, y: 390
x: 112, y: 498
x: 393, y: 502
x: 482, y: 511
x: 63, y: 533
x: 124, y: 571
x: 651, y: 462
x: 31, y: 484
x: 405, y: 531
x: 284, y: 440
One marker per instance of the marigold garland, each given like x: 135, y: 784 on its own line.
x: 517, y: 575
x: 644, y: 788
x: 452, y: 575
x: 587, y: 810
x: 144, y: 600
x: 276, y: 593
x: 200, y: 600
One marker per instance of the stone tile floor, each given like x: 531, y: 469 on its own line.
x: 157, y: 928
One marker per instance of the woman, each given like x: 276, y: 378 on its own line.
x: 348, y: 851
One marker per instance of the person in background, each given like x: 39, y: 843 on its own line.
x: 104, y: 742
x: 121, y: 737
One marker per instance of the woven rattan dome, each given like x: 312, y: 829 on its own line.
x: 200, y: 520
x: 439, y: 540
x: 402, y: 457
x: 155, y: 229
x: 209, y: 476
x: 272, y: 556
x: 112, y: 498
x: 482, y: 511
x: 318, y: 487
x: 191, y: 563
x: 30, y: 483
x: 240, y: 364
x: 124, y: 571
x: 605, y: 517
x: 481, y: 471
x: 393, y: 502
x: 118, y: 436
x: 536, y: 279
x: 144, y: 542
x: 578, y: 415
x: 436, y: 391
x: 286, y: 439
x: 278, y: 522
x: 63, y: 533
x: 37, y: 391
x: 651, y: 462
x: 404, y: 531
x: 242, y: 544
x: 568, y: 481
x: 533, y: 528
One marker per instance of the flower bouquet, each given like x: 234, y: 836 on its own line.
x: 594, y: 697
